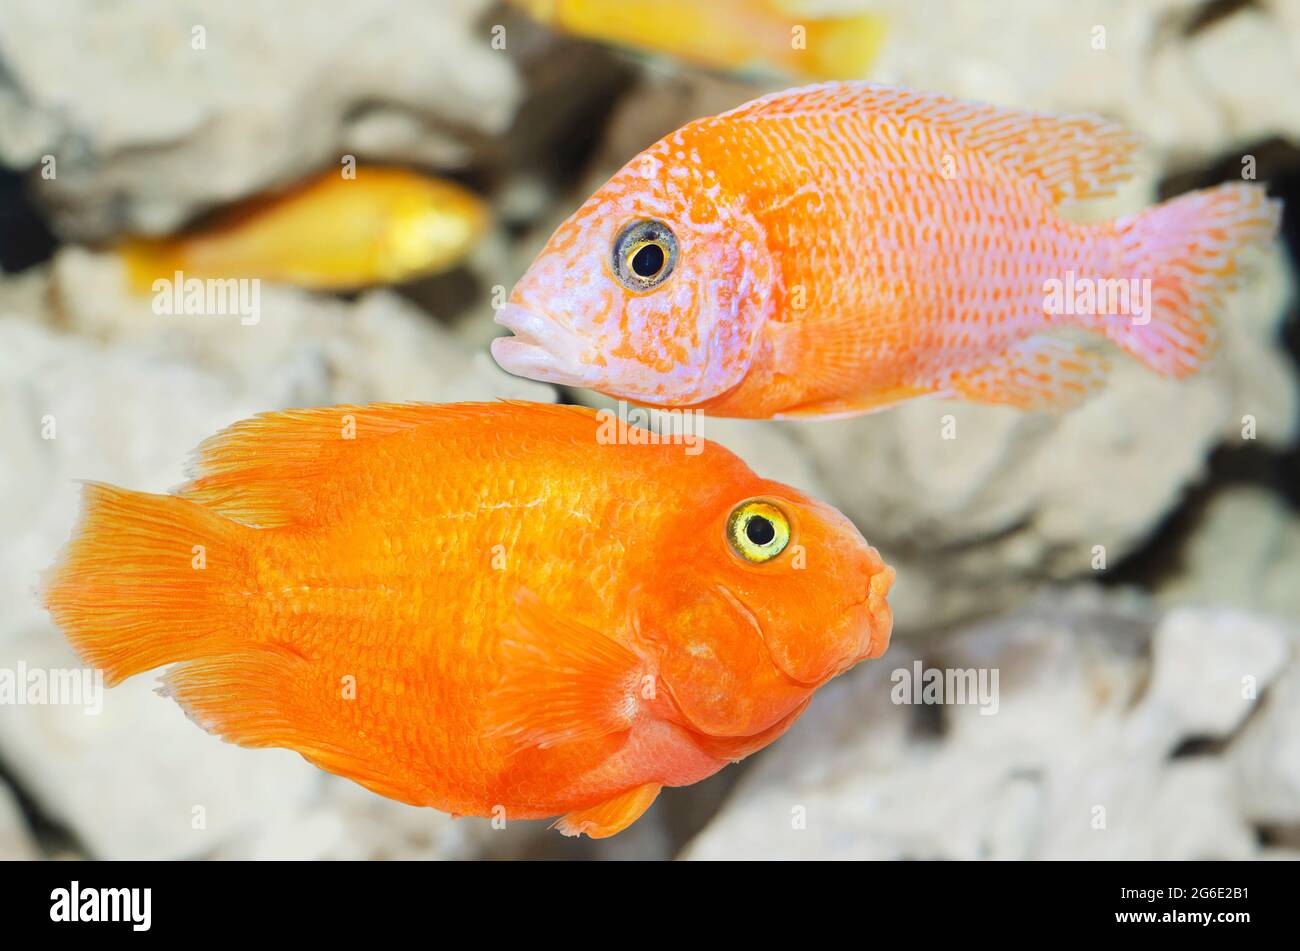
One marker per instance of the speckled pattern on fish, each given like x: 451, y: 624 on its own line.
x: 843, y: 247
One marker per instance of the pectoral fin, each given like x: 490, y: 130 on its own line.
x: 562, y: 681
x: 611, y: 816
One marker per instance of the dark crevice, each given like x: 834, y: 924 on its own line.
x: 1272, y: 835
x: 928, y: 722
x: 25, y: 238
x: 52, y: 837
x: 446, y: 296
x: 1199, y: 746
x: 1214, y: 12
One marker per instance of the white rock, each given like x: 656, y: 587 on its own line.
x: 1187, y: 93
x: 1267, y: 757
x: 346, y: 822
x: 1074, y: 762
x: 1209, y: 668
x: 146, y: 128
x: 137, y: 780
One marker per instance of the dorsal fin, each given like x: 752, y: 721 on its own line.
x: 1072, y: 157
x: 263, y: 471
x: 259, y: 470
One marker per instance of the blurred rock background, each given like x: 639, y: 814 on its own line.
x: 1123, y: 567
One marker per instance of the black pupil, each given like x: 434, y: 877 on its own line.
x: 648, y: 261
x: 759, y: 530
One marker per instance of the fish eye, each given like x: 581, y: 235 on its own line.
x: 757, y: 531
x: 644, y: 254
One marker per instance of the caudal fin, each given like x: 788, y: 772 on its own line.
x: 147, y: 580
x: 1187, y: 248
x: 153, y: 580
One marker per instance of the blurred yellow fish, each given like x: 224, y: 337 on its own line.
x: 331, y: 233
x: 726, y: 34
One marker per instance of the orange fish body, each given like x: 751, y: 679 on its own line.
x: 839, y: 248
x: 330, y: 233
x: 477, y: 607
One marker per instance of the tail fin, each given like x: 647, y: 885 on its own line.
x: 147, y: 580
x: 152, y: 580
x: 1187, y: 247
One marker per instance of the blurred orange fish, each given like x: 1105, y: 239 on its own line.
x: 762, y: 35
x: 331, y: 233
x: 504, y: 609
x: 840, y: 248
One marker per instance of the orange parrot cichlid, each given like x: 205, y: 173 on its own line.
x: 383, y: 226
x: 840, y: 248
x: 490, y: 609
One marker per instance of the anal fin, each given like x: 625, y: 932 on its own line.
x: 1038, y: 373
x: 611, y: 816
x: 270, y: 696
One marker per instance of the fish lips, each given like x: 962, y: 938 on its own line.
x: 541, y: 349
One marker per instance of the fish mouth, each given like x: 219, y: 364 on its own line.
x: 879, y: 616
x: 541, y: 348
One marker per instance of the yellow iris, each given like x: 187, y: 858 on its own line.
x: 758, y: 531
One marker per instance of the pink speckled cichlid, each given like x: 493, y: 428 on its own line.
x: 840, y: 248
